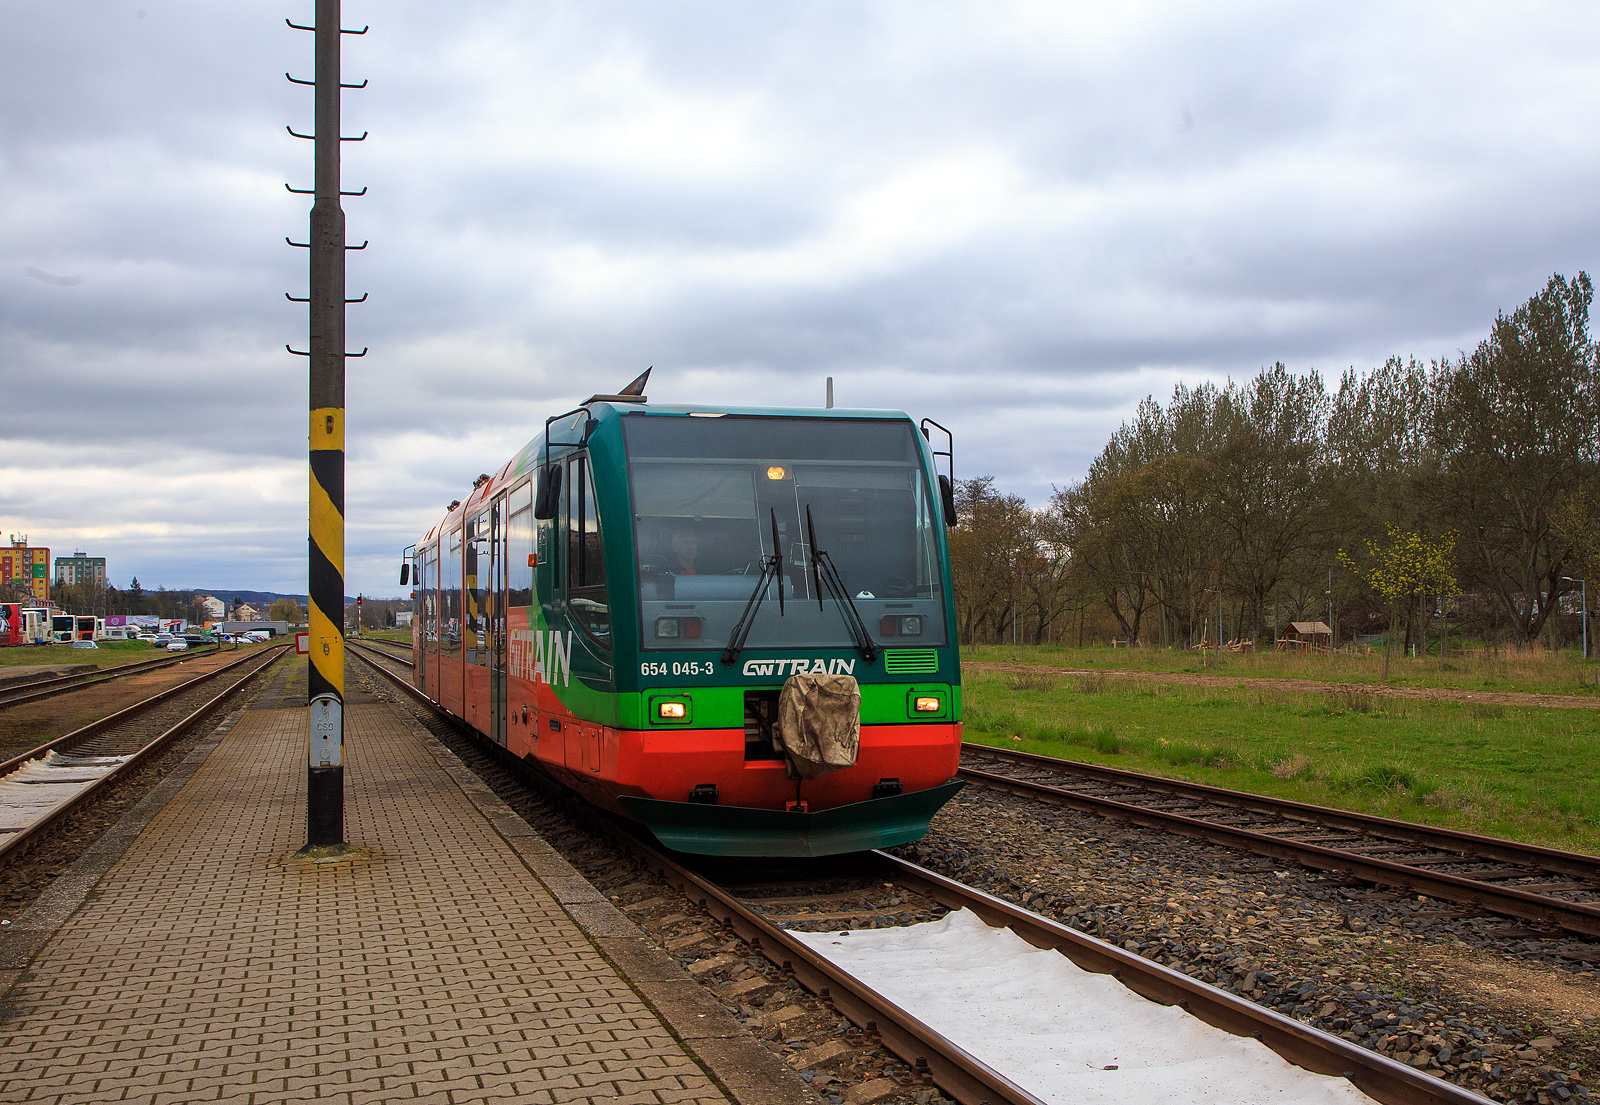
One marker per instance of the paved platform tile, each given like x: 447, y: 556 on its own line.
x: 210, y: 965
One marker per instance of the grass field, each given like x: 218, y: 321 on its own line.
x: 110, y: 654
x: 1532, y: 670
x: 1520, y: 772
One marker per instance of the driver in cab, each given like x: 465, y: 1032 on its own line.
x: 685, y: 547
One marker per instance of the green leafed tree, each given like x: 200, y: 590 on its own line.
x: 1402, y: 568
x: 1513, y: 436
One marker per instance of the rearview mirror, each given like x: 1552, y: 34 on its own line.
x: 405, y: 574
x: 548, y: 495
x: 947, y: 495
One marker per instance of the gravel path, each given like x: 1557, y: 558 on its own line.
x: 1305, y: 686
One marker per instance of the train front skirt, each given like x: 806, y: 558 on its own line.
x: 712, y: 830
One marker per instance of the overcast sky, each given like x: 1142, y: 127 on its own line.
x: 1017, y: 218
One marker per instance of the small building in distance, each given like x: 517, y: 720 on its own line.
x: 215, y: 608
x: 26, y: 567
x: 79, y: 569
x: 1306, y: 637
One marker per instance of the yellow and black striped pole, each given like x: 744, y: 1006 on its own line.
x: 325, y: 752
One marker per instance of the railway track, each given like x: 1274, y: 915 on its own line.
x: 41, y: 786
x: 32, y: 691
x: 757, y: 912
x: 389, y: 650
x: 1481, y: 874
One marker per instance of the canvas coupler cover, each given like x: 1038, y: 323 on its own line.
x: 819, y: 724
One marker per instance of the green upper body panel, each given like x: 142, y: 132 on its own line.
x: 686, y: 501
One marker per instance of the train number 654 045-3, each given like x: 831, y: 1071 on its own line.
x: 690, y: 667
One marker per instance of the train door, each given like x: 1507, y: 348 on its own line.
x: 588, y: 613
x: 450, y: 633
x: 419, y: 616
x: 495, y: 600
x: 434, y: 600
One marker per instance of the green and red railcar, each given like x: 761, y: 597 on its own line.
x: 622, y: 603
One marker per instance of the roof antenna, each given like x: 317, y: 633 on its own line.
x: 633, y: 393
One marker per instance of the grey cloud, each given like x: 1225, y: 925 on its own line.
x: 991, y: 214
x: 51, y: 278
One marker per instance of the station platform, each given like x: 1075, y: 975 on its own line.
x: 190, y: 956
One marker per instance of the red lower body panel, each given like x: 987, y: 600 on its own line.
x: 667, y: 765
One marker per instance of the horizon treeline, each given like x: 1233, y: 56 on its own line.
x: 1239, y: 500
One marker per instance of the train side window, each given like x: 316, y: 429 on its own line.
x: 430, y: 599
x: 477, y: 591
x: 450, y: 598
x: 586, y: 567
x: 519, y: 562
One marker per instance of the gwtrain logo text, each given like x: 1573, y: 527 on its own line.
x: 801, y: 666
x: 537, y: 654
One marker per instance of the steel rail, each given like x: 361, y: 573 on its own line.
x: 1550, y: 859
x: 377, y: 647
x: 1527, y: 905
x: 15, y: 842
x: 964, y: 1076
x: 37, y: 689
x: 127, y: 713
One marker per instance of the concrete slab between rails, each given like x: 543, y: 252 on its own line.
x: 750, y: 1073
x: 28, y: 933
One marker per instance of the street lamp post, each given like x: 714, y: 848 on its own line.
x: 1218, y: 592
x: 1584, y: 614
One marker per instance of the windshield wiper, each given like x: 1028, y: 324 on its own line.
x: 824, y: 574
x: 771, y: 566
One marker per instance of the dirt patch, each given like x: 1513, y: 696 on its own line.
x: 1304, y: 686
x: 1530, y: 991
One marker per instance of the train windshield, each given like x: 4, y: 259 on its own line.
x: 706, y: 494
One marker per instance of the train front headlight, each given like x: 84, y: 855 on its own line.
x: 678, y: 627
x: 928, y: 704
x: 896, y: 625
x: 672, y: 711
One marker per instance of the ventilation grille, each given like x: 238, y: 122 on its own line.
x: 910, y: 661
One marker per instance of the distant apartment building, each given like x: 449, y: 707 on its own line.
x: 244, y: 612
x: 78, y: 570
x: 215, y: 608
x: 27, y: 567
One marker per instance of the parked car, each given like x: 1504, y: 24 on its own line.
x: 198, y: 639
x: 84, y: 644
x: 177, y: 644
